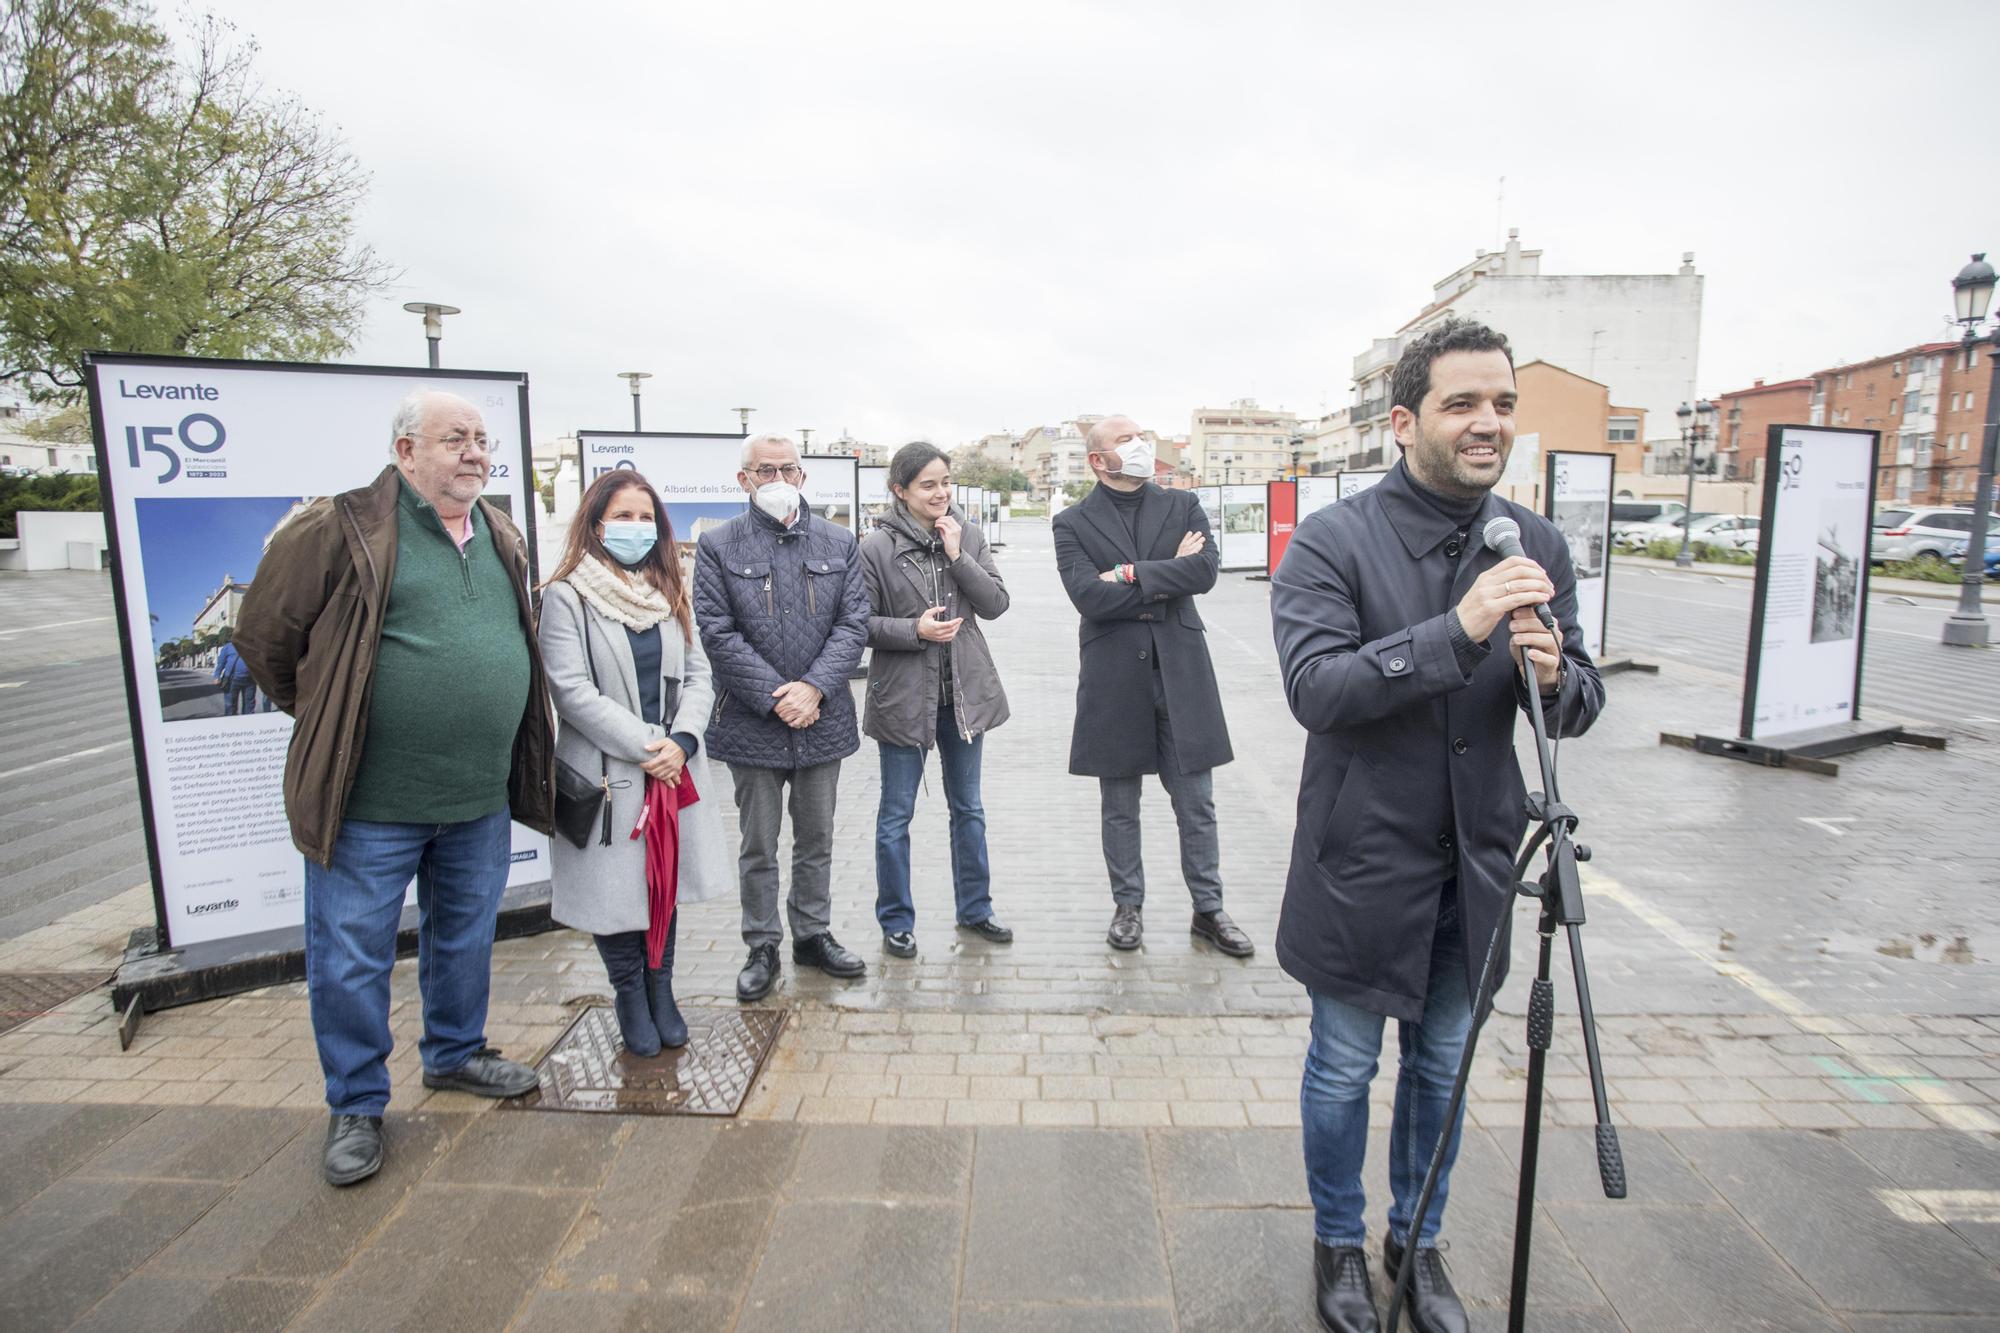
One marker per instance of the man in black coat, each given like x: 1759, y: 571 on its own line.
x: 1133, y: 557
x: 1398, y: 637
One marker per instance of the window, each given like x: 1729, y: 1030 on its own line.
x: 1622, y: 430
x: 1968, y: 400
x: 1894, y: 405
x: 1896, y: 369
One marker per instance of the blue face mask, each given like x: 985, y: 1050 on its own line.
x: 629, y: 543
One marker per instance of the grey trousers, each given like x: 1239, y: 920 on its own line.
x: 1193, y: 798
x: 760, y: 804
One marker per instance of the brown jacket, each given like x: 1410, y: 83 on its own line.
x: 309, y: 630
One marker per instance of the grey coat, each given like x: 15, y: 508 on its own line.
x: 603, y: 889
x: 907, y: 573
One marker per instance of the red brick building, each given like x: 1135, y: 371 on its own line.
x: 1929, y: 402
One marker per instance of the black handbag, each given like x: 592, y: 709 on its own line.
x: 580, y: 800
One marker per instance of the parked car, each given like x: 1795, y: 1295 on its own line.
x: 1630, y: 513
x: 1911, y: 533
x: 1716, y: 529
x: 1957, y: 556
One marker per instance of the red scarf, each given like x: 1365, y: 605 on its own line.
x: 660, y: 821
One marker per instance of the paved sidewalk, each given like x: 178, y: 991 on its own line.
x: 1799, y: 1011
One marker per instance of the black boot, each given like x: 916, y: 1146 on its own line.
x: 1342, y: 1291
x: 671, y: 1028
x: 625, y: 967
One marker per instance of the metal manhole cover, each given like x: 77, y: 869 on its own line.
x: 588, y: 1068
x: 29, y: 995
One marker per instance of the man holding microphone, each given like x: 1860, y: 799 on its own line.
x: 1399, y: 637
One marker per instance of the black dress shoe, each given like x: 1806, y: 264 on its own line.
x: 486, y: 1075
x: 1224, y: 934
x: 989, y: 930
x: 1127, y: 928
x: 353, y: 1149
x: 823, y: 951
x: 1434, y: 1307
x: 900, y: 943
x: 1341, y: 1289
x: 754, y: 982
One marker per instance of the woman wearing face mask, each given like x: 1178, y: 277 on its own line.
x: 931, y: 682
x: 632, y: 694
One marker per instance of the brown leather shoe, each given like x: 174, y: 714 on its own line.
x: 1224, y: 934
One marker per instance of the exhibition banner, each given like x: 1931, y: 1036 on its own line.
x: 831, y: 487
x: 1281, y: 499
x: 1210, y: 499
x: 201, y: 462
x: 1810, y: 613
x: 1243, y: 524
x: 873, y: 488
x: 1352, y: 484
x: 1316, y: 493
x: 694, y: 473
x: 1579, y: 503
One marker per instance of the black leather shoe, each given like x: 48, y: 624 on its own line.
x: 1434, y: 1307
x: 353, y: 1149
x: 1126, y: 929
x: 1340, y: 1287
x: 1224, y: 934
x: 486, y: 1075
x: 900, y: 943
x: 823, y: 951
x: 754, y: 982
x: 989, y: 930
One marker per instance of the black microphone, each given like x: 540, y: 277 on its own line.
x: 1503, y: 534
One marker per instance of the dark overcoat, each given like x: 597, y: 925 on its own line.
x: 1410, y: 778
x: 1128, y: 628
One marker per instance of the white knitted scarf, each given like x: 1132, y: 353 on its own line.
x: 631, y: 601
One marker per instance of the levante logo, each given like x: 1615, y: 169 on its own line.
x: 211, y: 909
x: 1793, y: 469
x: 198, y: 433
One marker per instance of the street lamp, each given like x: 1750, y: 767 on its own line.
x: 433, y: 314
x: 1697, y: 424
x: 632, y: 377
x: 1972, y: 291
x: 743, y: 415
x: 1298, y: 452
x: 805, y: 439
x: 1228, y: 462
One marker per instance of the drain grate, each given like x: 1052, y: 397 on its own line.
x: 29, y: 995
x: 588, y: 1069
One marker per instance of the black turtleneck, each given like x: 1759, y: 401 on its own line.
x: 1127, y: 503
x: 1461, y: 513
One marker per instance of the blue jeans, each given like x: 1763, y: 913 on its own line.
x: 352, y: 910
x: 239, y: 696
x: 1333, y: 1099
x: 902, y: 770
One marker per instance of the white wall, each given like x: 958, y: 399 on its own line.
x: 44, y: 541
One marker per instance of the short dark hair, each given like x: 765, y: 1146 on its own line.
x: 913, y: 458
x: 1412, y: 379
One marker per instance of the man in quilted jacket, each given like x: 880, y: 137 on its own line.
x: 783, y: 611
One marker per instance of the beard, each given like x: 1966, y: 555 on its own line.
x: 1439, y: 464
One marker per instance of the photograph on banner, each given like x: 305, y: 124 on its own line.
x: 695, y: 475
x: 1521, y: 480
x: 1316, y: 493
x: 830, y: 487
x: 1579, y: 504
x: 1243, y: 528
x: 1807, y: 624
x: 1210, y: 498
x: 873, y: 490
x: 202, y: 463
x: 1353, y: 483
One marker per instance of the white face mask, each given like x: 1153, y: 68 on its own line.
x: 1137, y: 459
x: 779, y: 499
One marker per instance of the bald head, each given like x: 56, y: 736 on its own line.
x: 1106, y: 441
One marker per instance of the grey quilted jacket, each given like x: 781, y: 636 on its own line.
x: 778, y: 604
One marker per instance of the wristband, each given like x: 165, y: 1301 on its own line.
x: 1125, y: 573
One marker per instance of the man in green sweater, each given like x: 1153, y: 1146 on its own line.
x: 393, y: 623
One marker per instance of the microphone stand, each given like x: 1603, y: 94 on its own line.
x: 1561, y: 895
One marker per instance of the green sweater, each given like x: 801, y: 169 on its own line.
x: 451, y: 679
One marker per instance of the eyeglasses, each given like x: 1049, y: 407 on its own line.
x: 460, y: 442
x: 790, y: 472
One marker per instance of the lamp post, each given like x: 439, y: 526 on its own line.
x: 433, y: 314
x: 805, y: 439
x: 1298, y: 453
x: 632, y: 377
x: 1972, y: 291
x: 1697, y: 424
x: 743, y: 415
x: 1228, y: 462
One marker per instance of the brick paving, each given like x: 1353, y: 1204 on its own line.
x: 1772, y: 954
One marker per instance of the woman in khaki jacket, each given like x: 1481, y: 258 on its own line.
x: 931, y: 682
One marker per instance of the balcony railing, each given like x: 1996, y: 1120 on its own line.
x: 1370, y: 408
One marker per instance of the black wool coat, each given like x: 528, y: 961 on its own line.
x: 1410, y: 778
x: 1129, y: 628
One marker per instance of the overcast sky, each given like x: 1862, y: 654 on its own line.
x: 935, y: 220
